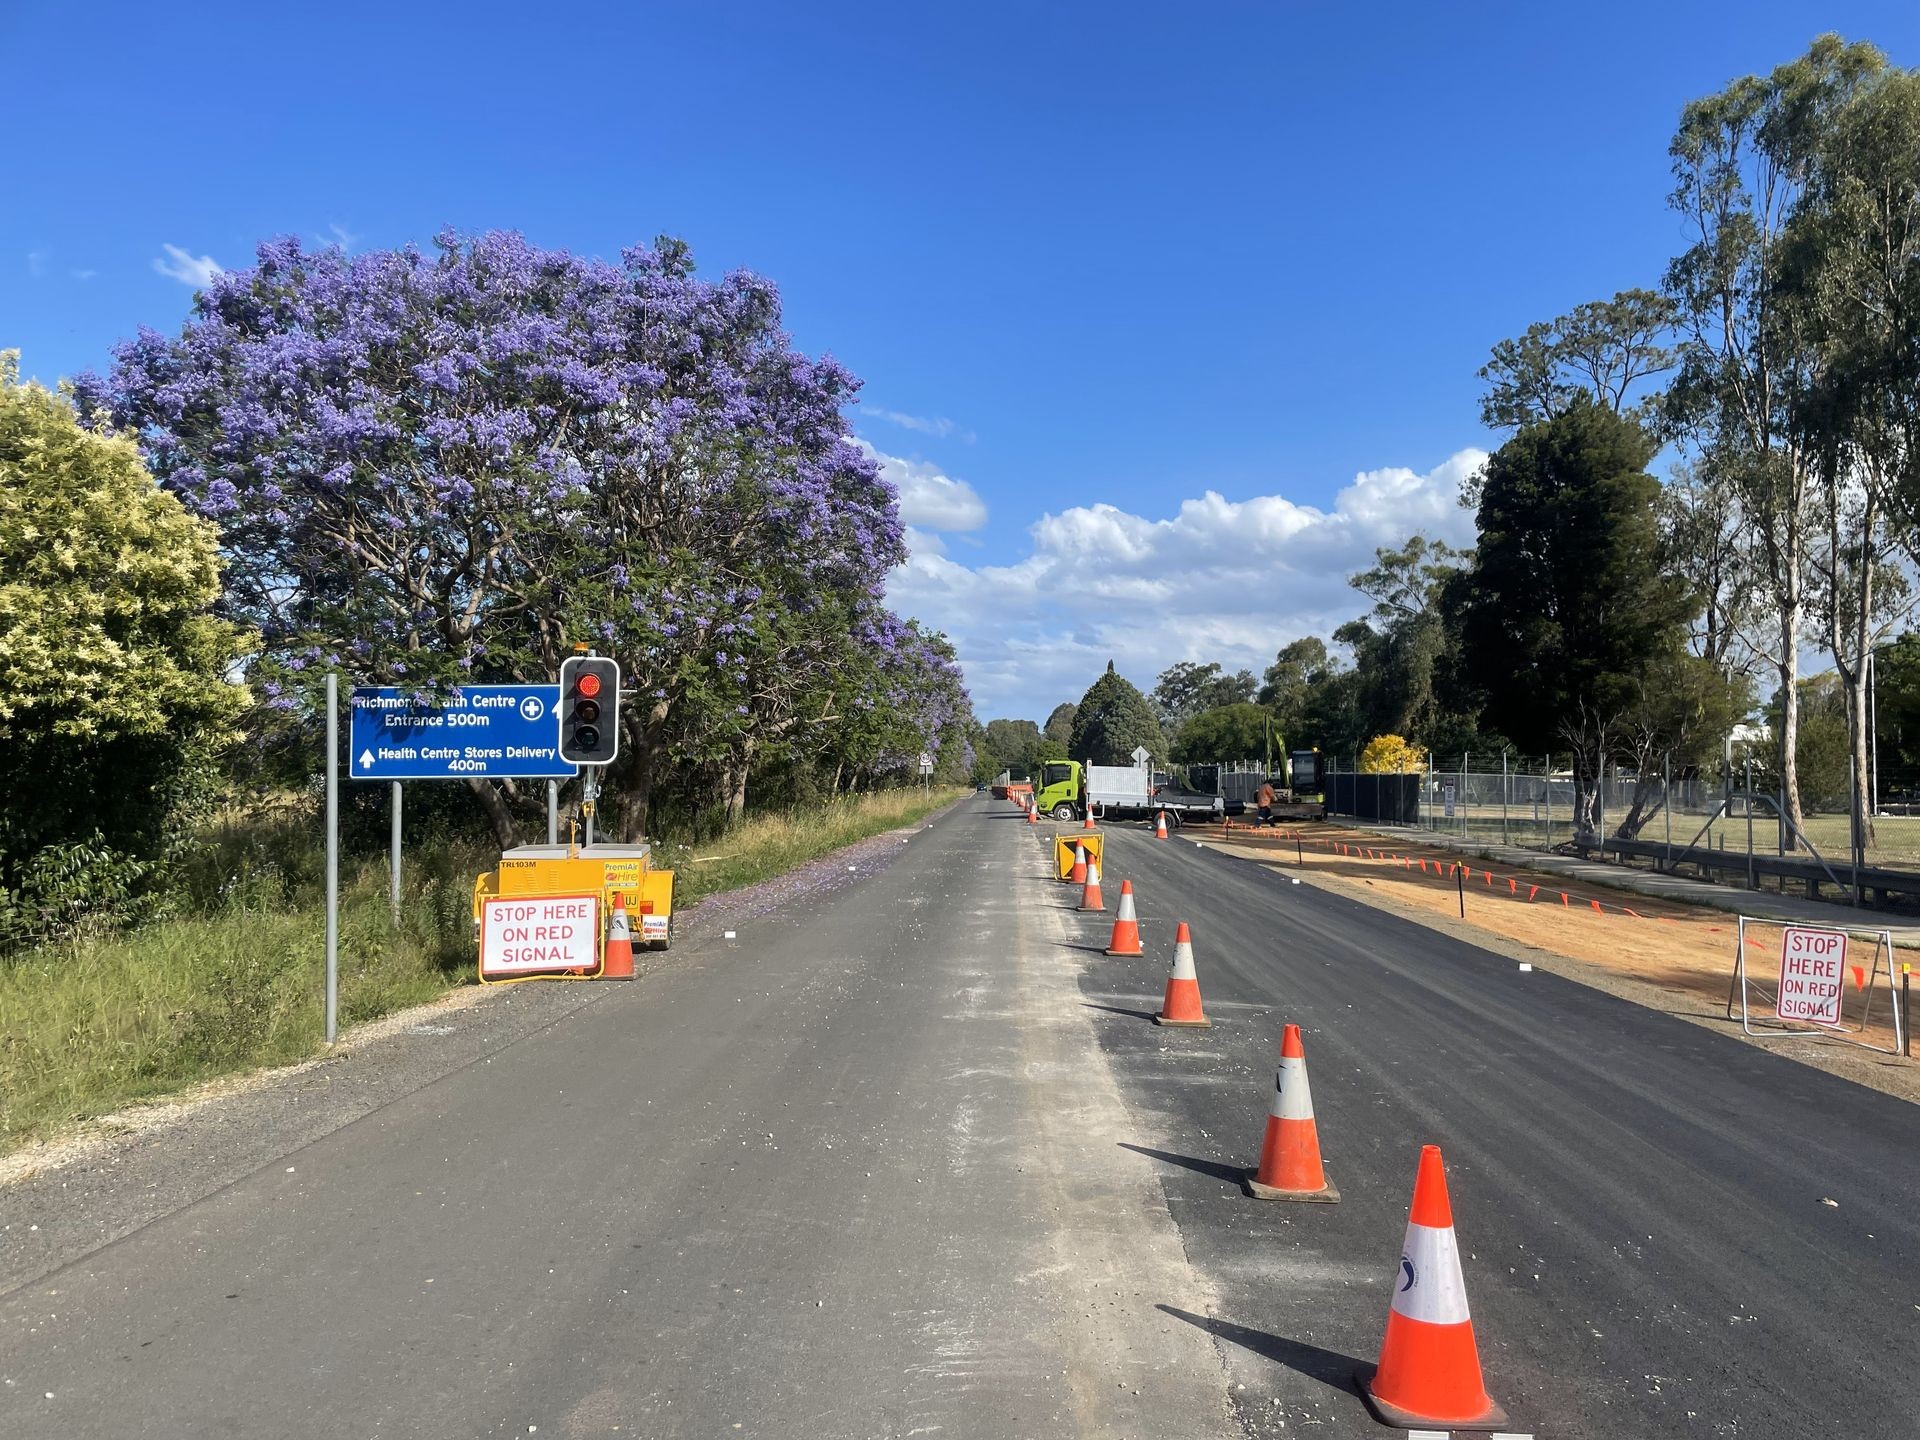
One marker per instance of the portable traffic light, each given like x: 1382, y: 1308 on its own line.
x: 589, y: 709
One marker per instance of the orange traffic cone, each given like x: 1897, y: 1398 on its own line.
x: 1290, y: 1157
x: 1090, y: 898
x: 1078, y: 875
x: 1126, y: 925
x: 616, y: 960
x: 1160, y: 829
x: 1429, y: 1370
x: 1087, y: 822
x: 1033, y: 814
x: 1182, y: 1003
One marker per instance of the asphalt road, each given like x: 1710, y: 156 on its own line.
x: 1640, y: 1201
x: 850, y: 1174
x: 906, y: 1157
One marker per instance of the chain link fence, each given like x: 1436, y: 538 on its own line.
x: 1656, y: 815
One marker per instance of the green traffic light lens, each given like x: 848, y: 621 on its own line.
x: 587, y: 738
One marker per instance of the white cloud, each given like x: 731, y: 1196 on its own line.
x: 83, y: 274
x: 1225, y: 580
x: 36, y: 263
x: 929, y: 498
x: 338, y: 234
x: 197, y: 271
x: 937, y: 426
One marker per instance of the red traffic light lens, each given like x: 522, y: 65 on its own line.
x: 588, y: 684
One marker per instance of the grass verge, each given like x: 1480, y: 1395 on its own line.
x: 89, y: 1026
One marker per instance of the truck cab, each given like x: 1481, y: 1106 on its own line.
x: 1059, y: 789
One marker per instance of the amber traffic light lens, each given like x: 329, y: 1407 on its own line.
x: 587, y: 711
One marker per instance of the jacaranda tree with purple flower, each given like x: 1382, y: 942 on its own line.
x: 439, y: 466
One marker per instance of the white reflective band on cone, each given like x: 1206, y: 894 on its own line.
x: 617, y: 927
x: 1126, y: 906
x: 1429, y: 1286
x: 1183, y: 963
x: 1292, y: 1096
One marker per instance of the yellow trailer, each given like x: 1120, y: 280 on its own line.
x: 603, y: 870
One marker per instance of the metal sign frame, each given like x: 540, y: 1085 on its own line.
x: 1745, y: 989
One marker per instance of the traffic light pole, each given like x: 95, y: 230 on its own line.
x: 333, y: 857
x: 590, y: 789
x: 553, y: 812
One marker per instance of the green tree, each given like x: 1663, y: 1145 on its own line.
x: 1300, y: 665
x: 1187, y: 688
x: 1603, y: 350
x: 1406, y: 650
x: 1010, y: 743
x: 1748, y: 398
x: 114, y: 677
x: 1568, y: 607
x: 1112, y: 720
x: 1059, y: 726
x: 1228, y: 732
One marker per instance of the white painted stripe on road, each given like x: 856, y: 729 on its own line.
x: 1429, y: 1286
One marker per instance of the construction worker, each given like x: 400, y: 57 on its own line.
x: 1264, y: 799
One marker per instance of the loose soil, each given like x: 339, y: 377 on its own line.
x: 1672, y: 958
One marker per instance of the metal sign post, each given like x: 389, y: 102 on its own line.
x: 333, y: 857
x: 393, y: 859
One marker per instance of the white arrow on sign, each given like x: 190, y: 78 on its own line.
x: 366, y: 759
x: 1141, y: 755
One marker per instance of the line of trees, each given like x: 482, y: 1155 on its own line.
x: 1607, y: 617
x: 428, y: 468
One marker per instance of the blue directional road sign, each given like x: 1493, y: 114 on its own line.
x: 489, y: 731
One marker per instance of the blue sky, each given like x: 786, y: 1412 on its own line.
x: 1097, y: 261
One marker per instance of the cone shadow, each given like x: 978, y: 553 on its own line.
x: 1329, y: 1367
x: 1213, y: 1169
x: 1120, y: 1009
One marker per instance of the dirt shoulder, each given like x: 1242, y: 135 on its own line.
x: 1673, y: 958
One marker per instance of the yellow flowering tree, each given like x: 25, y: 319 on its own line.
x: 1392, y: 755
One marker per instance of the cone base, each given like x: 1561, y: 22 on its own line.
x: 1091, y: 908
x: 1136, y: 950
x: 1492, y: 1418
x: 1326, y: 1195
x: 628, y: 976
x: 1201, y: 1024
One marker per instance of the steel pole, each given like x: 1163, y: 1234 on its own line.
x: 1752, y: 883
x: 1666, y: 792
x: 1505, y: 839
x: 1873, y: 728
x: 393, y: 858
x: 333, y: 857
x: 553, y: 812
x: 1548, y: 787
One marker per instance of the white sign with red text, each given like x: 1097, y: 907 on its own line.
x: 1813, y: 967
x: 538, y: 935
